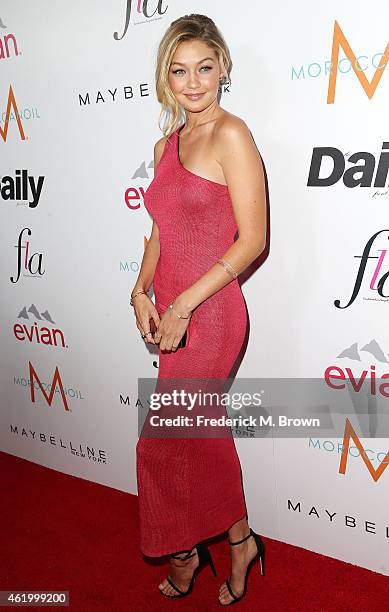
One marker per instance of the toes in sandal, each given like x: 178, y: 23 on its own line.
x: 204, y: 559
x: 260, y: 555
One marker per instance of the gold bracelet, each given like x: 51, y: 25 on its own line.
x: 179, y: 316
x: 228, y: 267
x: 134, y: 296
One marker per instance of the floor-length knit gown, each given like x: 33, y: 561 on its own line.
x: 190, y: 488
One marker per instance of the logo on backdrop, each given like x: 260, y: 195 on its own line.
x: 16, y: 114
x: 333, y: 66
x: 33, y: 328
x: 376, y: 274
x: 363, y: 382
x: 128, y: 92
x: 339, y: 40
x: 129, y: 266
x: 52, y: 442
x: 11, y: 103
x: 28, y: 264
x: 82, y: 450
x: 347, y: 520
x: 8, y: 44
x: 350, y: 433
x: 133, y: 199
x: 22, y: 189
x: 373, y: 348
x: 33, y: 383
x: 57, y: 380
x: 144, y: 11
x: 367, y: 389
x: 134, y: 195
x: 362, y: 172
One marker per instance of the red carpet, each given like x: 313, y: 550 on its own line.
x: 60, y: 532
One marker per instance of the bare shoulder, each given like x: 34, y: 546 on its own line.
x: 231, y: 130
x: 158, y: 149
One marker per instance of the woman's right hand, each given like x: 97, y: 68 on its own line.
x: 144, y: 310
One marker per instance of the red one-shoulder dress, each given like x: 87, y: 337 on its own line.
x: 190, y: 488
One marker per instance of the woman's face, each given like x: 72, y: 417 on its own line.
x: 194, y: 75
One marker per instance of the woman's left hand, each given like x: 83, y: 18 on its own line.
x: 171, y: 328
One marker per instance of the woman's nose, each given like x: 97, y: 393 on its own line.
x: 193, y: 80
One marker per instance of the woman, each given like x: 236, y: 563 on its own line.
x: 208, y: 185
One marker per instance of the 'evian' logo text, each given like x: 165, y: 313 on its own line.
x: 337, y: 378
x: 8, y: 44
x: 144, y: 7
x: 376, y: 282
x: 38, y: 327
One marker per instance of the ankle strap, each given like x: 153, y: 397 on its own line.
x: 187, y: 556
x: 240, y: 541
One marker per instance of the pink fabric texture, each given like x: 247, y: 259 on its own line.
x: 190, y: 489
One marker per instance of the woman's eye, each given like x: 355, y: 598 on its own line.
x: 180, y: 70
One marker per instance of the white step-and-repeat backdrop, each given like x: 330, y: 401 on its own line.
x: 78, y: 122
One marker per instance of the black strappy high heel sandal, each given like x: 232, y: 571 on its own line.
x: 204, y: 559
x: 260, y: 555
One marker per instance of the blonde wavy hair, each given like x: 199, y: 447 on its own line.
x: 188, y: 27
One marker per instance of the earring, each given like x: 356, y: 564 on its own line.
x: 222, y: 81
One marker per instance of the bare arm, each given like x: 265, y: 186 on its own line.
x: 243, y: 171
x: 152, y: 250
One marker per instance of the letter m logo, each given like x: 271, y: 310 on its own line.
x: 11, y: 102
x: 350, y: 433
x: 338, y: 40
x: 56, y: 379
